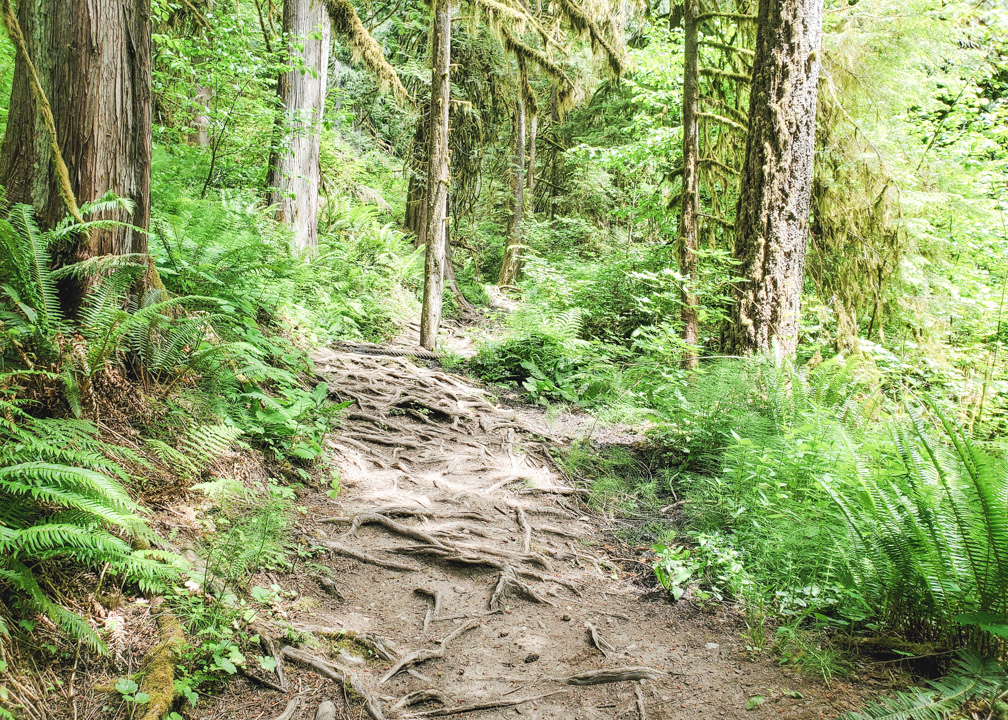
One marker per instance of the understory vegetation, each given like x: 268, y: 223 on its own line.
x: 848, y: 501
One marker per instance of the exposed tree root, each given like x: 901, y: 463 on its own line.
x: 639, y: 697
x: 421, y: 696
x: 612, y: 675
x: 509, y: 584
x: 363, y: 557
x: 292, y: 707
x: 342, y: 675
x: 486, y: 705
x: 526, y: 529
x: 432, y: 608
x: 419, y: 656
x: 600, y: 643
x: 392, y: 526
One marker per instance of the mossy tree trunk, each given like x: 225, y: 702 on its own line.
x: 689, y: 242
x: 437, y: 175
x: 773, y: 208
x: 93, y: 60
x: 295, y: 173
x: 512, y: 251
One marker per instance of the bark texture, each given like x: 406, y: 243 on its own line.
x: 689, y: 242
x: 437, y: 176
x: 773, y: 209
x: 93, y: 59
x: 512, y: 252
x: 295, y: 172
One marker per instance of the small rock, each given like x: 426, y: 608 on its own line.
x: 326, y: 711
x: 502, y: 633
x: 712, y: 646
x: 566, y: 618
x: 531, y: 658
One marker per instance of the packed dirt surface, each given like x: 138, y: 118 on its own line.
x: 466, y: 578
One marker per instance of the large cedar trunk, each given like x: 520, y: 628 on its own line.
x: 689, y: 242
x: 512, y: 252
x: 773, y: 208
x: 295, y: 173
x: 437, y: 176
x: 93, y: 59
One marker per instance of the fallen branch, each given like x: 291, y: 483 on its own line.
x: 159, y: 673
x: 639, y: 696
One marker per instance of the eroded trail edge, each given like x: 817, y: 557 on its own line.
x: 463, y: 577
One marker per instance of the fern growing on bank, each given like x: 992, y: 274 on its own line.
x: 971, y: 679
x: 61, y: 500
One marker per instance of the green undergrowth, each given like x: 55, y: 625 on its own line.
x: 141, y: 397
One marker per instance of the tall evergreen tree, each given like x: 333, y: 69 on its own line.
x: 773, y: 209
x: 294, y: 172
x: 86, y: 67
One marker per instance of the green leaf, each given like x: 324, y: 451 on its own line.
x: 126, y: 686
x: 754, y: 702
x: 267, y: 663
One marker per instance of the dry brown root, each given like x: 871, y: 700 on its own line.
x: 432, y: 608
x: 292, y: 707
x: 526, y: 530
x: 454, y: 556
x: 639, y: 696
x: 509, y: 584
x: 612, y: 675
x: 363, y: 557
x: 485, y: 705
x: 342, y: 675
x: 419, y: 656
x: 368, y: 518
x: 598, y: 641
x: 421, y: 696
x: 159, y: 674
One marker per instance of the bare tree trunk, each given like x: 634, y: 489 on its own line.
x: 93, y: 59
x: 773, y: 208
x: 689, y: 242
x: 437, y: 176
x: 512, y: 252
x: 295, y: 174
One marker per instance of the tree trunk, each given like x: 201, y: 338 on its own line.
x: 773, y: 208
x: 200, y: 135
x: 512, y: 252
x: 437, y: 176
x: 689, y: 242
x: 93, y: 59
x: 295, y: 173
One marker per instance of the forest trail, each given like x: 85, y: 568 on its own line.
x: 464, y: 572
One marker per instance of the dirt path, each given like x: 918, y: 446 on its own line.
x: 462, y: 562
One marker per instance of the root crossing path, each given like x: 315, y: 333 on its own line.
x: 463, y: 577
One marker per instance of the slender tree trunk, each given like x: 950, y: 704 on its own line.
x: 294, y: 172
x: 689, y: 242
x: 512, y: 252
x: 773, y: 208
x: 437, y: 176
x: 93, y: 59
x: 201, y: 121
